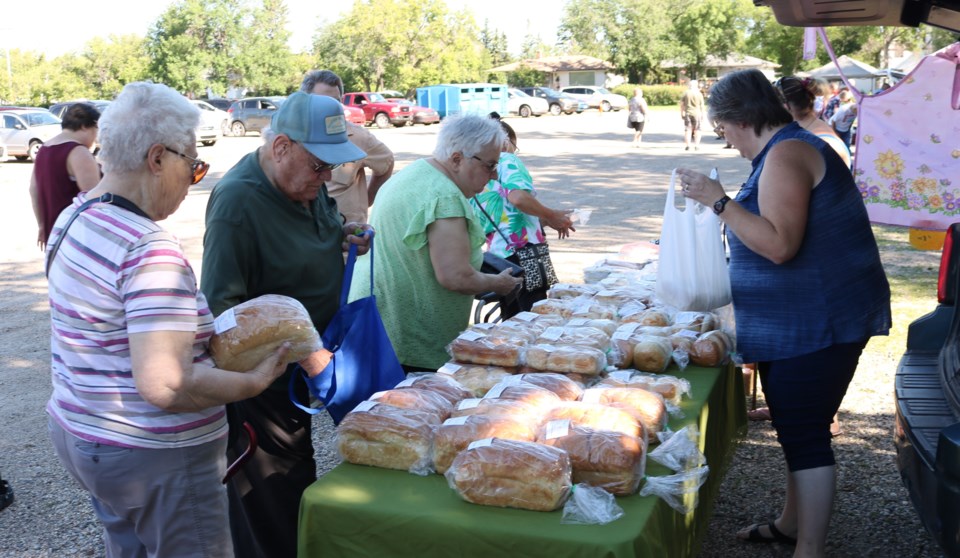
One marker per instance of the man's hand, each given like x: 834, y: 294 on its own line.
x: 357, y: 233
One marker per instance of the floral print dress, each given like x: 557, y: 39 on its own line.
x: 519, y: 228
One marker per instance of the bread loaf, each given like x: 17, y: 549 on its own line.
x: 455, y: 434
x: 496, y: 407
x: 645, y: 406
x: 515, y: 389
x: 413, y: 398
x: 251, y: 331
x: 512, y: 474
x: 565, y: 388
x: 606, y: 326
x: 566, y: 359
x: 612, y: 461
x: 476, y: 378
x: 477, y: 348
x: 711, y: 349
x: 388, y: 437
x: 441, y: 384
x: 571, y: 290
x: 596, y: 417
x: 652, y: 353
x: 671, y: 388
x: 578, y: 336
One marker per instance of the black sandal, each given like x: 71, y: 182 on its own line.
x: 6, y: 494
x: 776, y: 536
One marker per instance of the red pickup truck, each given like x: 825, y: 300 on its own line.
x: 377, y: 110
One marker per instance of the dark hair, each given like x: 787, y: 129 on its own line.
x: 506, y: 127
x: 799, y: 92
x: 747, y: 97
x: 314, y: 77
x: 79, y: 116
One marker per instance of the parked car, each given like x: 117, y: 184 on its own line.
x: 421, y: 115
x: 23, y: 131
x: 524, y: 105
x: 222, y: 104
x: 60, y: 108
x: 378, y: 110
x: 559, y: 102
x: 252, y: 114
x: 214, y: 123
x: 597, y: 97
x: 390, y: 94
x: 355, y: 115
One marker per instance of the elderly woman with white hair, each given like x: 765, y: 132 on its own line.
x: 137, y: 411
x: 428, y: 249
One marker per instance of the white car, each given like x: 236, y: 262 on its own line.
x: 213, y: 123
x: 23, y: 131
x: 597, y: 97
x: 520, y: 103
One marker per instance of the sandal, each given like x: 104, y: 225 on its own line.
x: 763, y: 413
x: 776, y: 536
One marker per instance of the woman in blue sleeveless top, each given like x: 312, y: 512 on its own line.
x: 808, y: 288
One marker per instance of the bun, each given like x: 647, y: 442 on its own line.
x: 612, y: 461
x: 251, y: 331
x: 567, y: 359
x: 454, y: 435
x: 652, y: 354
x: 388, y: 437
x: 476, y: 378
x: 711, y: 349
x: 511, y: 474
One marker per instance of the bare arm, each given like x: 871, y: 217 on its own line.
x: 449, y: 248
x: 790, y: 171
x: 376, y: 181
x: 84, y: 169
x: 37, y: 211
x: 553, y: 218
x: 166, y: 376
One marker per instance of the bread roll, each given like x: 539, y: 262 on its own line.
x: 477, y: 348
x: 476, y: 378
x: 612, y: 461
x: 711, y: 349
x: 652, y: 353
x: 645, y: 406
x: 413, y: 398
x: 388, y: 437
x: 455, y: 434
x: 512, y: 474
x: 595, y: 416
x: 251, y: 331
x: 441, y: 384
x: 565, y: 388
x: 566, y: 359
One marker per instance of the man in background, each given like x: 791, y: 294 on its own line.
x: 691, y: 111
x: 349, y: 185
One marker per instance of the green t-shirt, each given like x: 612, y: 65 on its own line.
x: 258, y: 242
x: 420, y: 315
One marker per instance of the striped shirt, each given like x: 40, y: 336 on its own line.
x: 118, y: 273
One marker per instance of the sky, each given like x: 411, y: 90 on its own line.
x: 72, y: 25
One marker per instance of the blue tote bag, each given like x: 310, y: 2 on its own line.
x: 363, y: 360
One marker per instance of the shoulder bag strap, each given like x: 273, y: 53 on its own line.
x: 495, y: 227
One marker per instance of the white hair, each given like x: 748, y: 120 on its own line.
x: 468, y: 134
x: 143, y: 115
x: 267, y: 135
x: 694, y: 84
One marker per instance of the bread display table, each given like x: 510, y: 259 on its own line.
x: 364, y: 511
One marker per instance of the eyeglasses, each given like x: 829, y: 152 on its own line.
x: 317, y: 165
x: 197, y: 166
x: 491, y: 167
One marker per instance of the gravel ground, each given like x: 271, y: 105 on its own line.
x: 579, y: 161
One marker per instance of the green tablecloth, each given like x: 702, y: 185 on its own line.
x: 357, y: 511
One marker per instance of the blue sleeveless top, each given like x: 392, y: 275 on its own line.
x: 833, y: 291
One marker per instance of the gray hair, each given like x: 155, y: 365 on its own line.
x: 468, y: 134
x: 143, y: 115
x: 267, y: 135
x: 313, y: 77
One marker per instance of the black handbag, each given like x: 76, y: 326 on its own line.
x: 534, y: 259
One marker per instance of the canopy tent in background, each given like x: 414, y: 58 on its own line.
x: 862, y: 75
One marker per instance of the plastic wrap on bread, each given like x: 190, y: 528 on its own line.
x: 565, y: 388
x: 612, y: 461
x: 648, y: 408
x: 388, y: 437
x: 477, y: 378
x: 455, y: 434
x: 596, y: 417
x: 414, y: 398
x: 566, y: 359
x: 479, y: 348
x: 442, y: 384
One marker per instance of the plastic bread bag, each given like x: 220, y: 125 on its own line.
x: 388, y: 437
x: 596, y: 416
x: 496, y: 407
x: 670, y: 387
x: 586, y: 307
x: 631, y: 311
x: 612, y: 461
x: 476, y: 378
x: 455, y: 434
x: 538, y: 321
x: 711, y: 349
x: 679, y: 450
x: 414, y: 398
x: 579, y: 336
x: 699, y: 322
x: 567, y: 389
x: 245, y: 335
x: 554, y: 306
x: 682, y: 342
x: 566, y: 359
x: 681, y: 491
x: 590, y: 505
x: 478, y: 348
x: 652, y: 353
x: 571, y: 290
x: 441, y: 384
x: 515, y: 389
x: 604, y: 325
x: 511, y: 474
x: 646, y: 407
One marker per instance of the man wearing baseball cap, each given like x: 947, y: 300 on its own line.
x: 271, y: 228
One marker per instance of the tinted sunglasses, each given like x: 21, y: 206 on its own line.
x: 197, y: 166
x: 317, y: 165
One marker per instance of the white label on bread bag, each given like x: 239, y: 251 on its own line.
x: 628, y: 327
x: 514, y: 380
x: 558, y: 428
x: 449, y: 368
x: 552, y: 333
x: 526, y: 316
x: 621, y: 375
x: 591, y: 395
x: 578, y: 322
x: 484, y: 326
x: 480, y: 443
x: 686, y: 333
x: 468, y: 404
x: 376, y: 396
x: 621, y: 335
x: 471, y: 335
x: 364, y: 406
x: 225, y: 322
x: 496, y: 390
x: 408, y: 382
x: 456, y: 421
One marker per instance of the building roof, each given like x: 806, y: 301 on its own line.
x: 853, y: 69
x: 574, y: 63
x: 740, y: 61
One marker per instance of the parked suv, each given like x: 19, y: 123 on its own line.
x: 378, y: 110
x: 60, y: 108
x: 23, y: 131
x: 597, y: 97
x: 559, y: 102
x: 524, y: 105
x: 252, y: 114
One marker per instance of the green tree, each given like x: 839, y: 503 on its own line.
x: 267, y: 65
x: 709, y: 27
x: 106, y: 65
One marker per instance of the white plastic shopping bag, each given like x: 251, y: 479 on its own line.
x: 692, y: 273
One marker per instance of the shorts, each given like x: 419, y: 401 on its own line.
x: 691, y: 122
x: 638, y: 126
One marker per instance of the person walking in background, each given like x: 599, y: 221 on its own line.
x: 801, y: 317
x: 510, y: 202
x: 64, y: 167
x: 271, y: 228
x: 691, y: 111
x: 842, y: 120
x: 348, y: 184
x: 137, y: 411
x: 637, y: 116
x: 831, y: 101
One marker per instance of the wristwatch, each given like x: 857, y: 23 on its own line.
x: 720, y: 204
